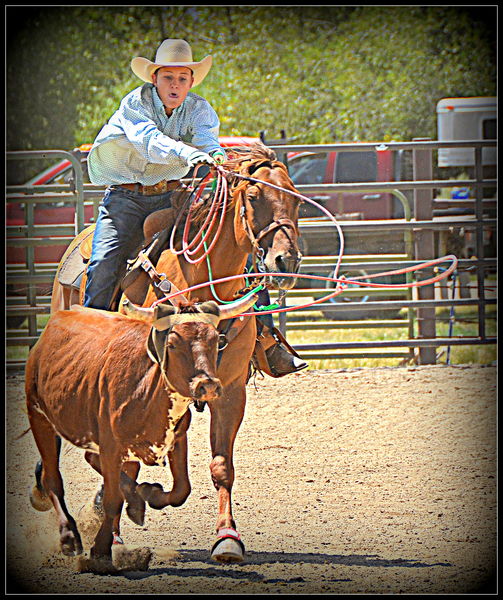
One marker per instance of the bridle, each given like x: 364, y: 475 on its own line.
x: 258, y: 253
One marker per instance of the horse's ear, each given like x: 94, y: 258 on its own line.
x: 257, y: 165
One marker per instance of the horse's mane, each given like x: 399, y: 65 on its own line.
x: 257, y: 155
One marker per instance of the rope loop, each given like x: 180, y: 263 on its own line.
x: 219, y: 200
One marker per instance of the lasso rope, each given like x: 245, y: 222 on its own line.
x: 221, y: 170
x: 220, y: 199
x: 342, y: 282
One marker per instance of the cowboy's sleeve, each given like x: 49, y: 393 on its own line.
x: 206, y: 129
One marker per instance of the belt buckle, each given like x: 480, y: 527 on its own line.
x: 157, y: 188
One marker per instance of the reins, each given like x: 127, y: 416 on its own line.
x: 218, y: 206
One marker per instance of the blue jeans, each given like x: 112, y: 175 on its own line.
x: 118, y: 234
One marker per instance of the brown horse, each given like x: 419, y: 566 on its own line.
x: 261, y: 221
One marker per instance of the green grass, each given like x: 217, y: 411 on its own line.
x: 465, y: 325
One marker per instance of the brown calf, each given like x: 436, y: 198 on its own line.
x: 119, y: 386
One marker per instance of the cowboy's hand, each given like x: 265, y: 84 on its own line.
x: 198, y: 157
x: 219, y: 157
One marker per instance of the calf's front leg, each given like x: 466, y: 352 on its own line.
x: 153, y: 493
x: 110, y: 463
x: 135, y: 507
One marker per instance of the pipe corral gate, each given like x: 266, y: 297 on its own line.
x: 417, y: 230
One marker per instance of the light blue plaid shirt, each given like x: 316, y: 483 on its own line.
x: 141, y: 144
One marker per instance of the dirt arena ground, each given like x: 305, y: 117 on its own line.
x: 356, y: 481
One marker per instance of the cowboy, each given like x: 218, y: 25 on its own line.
x: 160, y: 131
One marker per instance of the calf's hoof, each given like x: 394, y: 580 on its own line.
x: 40, y: 500
x: 98, y: 502
x: 228, y: 548
x: 151, y: 493
x: 98, y: 565
x: 136, y: 511
x: 70, y: 542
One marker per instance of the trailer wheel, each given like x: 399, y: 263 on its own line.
x: 347, y: 315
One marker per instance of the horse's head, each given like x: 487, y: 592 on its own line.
x: 267, y: 214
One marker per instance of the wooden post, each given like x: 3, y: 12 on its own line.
x: 479, y: 233
x: 424, y: 248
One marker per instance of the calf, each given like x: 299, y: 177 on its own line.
x: 117, y: 386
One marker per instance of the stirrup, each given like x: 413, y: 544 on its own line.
x: 271, y: 349
x: 282, y: 361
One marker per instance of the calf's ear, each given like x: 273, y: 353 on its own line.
x: 209, y: 307
x: 163, y: 314
x: 156, y: 347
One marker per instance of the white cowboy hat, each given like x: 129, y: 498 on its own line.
x: 171, y: 53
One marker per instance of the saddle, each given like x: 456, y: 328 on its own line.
x: 74, y: 263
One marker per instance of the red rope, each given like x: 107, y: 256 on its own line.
x: 342, y: 283
x: 220, y: 199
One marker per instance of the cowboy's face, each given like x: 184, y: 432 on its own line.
x: 173, y: 85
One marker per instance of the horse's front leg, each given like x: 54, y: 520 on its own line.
x: 226, y: 417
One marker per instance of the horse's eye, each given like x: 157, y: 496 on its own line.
x: 252, y: 194
x: 171, y: 342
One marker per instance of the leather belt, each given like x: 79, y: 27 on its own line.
x: 151, y: 190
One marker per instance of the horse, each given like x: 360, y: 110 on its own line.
x: 261, y: 221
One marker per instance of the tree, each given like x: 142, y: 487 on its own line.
x: 323, y: 74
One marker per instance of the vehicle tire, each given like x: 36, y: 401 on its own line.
x: 347, y: 315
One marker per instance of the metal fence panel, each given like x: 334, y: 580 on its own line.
x: 417, y: 236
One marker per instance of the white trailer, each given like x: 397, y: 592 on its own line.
x: 461, y: 119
